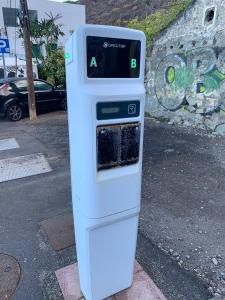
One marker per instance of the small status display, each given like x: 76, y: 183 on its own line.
x: 110, y: 110
x: 118, y: 110
x: 113, y: 57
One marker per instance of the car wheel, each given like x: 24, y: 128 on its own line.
x: 14, y: 112
x: 64, y: 104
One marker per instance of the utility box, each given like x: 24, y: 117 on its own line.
x: 106, y: 98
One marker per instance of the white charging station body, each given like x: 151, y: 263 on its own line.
x: 106, y: 126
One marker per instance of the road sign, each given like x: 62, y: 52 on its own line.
x: 4, y: 46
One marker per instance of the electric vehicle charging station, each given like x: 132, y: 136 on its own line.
x: 106, y: 98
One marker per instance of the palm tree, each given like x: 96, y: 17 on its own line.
x: 45, y: 32
x: 50, y: 30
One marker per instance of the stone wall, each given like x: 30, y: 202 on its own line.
x: 109, y: 12
x: 185, y: 72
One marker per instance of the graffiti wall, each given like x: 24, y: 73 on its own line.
x: 186, y: 77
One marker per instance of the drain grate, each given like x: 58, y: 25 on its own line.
x: 9, y: 276
x: 8, y: 144
x: 23, y: 166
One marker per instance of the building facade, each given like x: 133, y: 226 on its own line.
x: 186, y: 69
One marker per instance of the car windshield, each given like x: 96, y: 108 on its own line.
x: 21, y: 85
x: 42, y: 86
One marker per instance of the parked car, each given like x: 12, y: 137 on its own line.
x: 14, y: 97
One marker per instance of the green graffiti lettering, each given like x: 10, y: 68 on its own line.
x: 211, y: 84
x: 220, y: 76
x: 183, y: 78
x: 170, y: 74
x: 202, y: 89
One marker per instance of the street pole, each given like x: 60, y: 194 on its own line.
x: 28, y: 54
x: 4, y: 65
x: 16, y: 66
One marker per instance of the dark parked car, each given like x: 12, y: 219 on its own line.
x: 14, y: 97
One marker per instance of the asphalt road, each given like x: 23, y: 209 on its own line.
x: 26, y: 202
x: 183, y: 199
x: 183, y: 172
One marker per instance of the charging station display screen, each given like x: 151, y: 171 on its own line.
x: 118, y: 110
x: 113, y: 58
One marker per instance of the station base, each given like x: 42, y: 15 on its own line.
x: 143, y: 287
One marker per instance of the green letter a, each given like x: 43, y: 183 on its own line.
x: 93, y: 62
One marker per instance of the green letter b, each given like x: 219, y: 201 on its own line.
x: 133, y: 63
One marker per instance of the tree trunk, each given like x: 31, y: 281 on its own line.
x: 29, y: 63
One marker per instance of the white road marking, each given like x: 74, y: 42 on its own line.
x: 23, y: 166
x: 8, y: 144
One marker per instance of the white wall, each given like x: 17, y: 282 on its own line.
x: 72, y: 16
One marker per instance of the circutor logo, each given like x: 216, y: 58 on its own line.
x: 107, y: 45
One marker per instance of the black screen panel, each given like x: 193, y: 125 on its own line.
x: 108, y: 140
x: 113, y: 58
x: 130, y: 144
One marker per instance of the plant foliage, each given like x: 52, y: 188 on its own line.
x: 53, y: 69
x: 154, y: 23
x: 46, y: 33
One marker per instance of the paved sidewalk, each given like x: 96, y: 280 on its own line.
x: 143, y: 288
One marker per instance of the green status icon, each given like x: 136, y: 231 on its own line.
x: 133, y: 63
x: 93, y: 62
x: 67, y: 55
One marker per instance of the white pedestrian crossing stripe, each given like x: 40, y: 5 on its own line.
x: 8, y: 144
x: 23, y: 166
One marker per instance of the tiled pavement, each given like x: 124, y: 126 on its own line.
x: 143, y: 287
